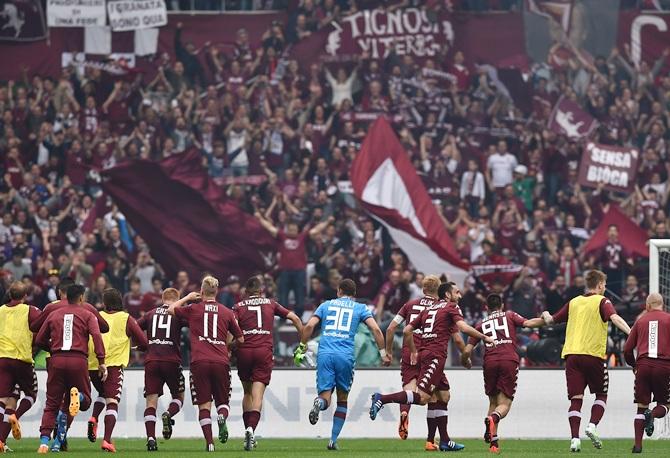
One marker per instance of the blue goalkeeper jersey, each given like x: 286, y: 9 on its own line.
x: 339, y: 322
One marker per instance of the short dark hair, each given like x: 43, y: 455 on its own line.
x: 253, y: 285
x: 112, y: 299
x: 444, y: 289
x: 17, y: 290
x: 348, y: 287
x: 64, y: 285
x: 595, y: 277
x: 74, y: 292
x: 494, y: 302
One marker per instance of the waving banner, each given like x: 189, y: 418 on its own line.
x: 389, y: 188
x: 614, y: 166
x: 569, y: 119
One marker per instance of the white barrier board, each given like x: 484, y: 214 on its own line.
x: 539, y: 409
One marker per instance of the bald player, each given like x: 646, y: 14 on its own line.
x: 650, y: 337
x: 585, y: 353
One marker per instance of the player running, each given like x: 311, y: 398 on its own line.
x: 437, y: 409
x: 212, y: 328
x: 162, y: 364
x: 335, y: 360
x: 650, y: 337
x: 585, y: 350
x: 122, y: 328
x: 501, y: 362
x: 65, y: 334
x: 436, y: 323
x: 255, y: 359
x: 16, y: 361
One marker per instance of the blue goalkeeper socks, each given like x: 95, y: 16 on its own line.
x: 338, y: 420
x: 44, y: 440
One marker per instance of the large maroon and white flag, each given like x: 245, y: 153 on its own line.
x: 389, y: 188
x: 569, y: 119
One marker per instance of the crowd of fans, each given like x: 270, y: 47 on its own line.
x: 505, y: 186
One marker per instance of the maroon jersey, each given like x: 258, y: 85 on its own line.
x: 164, y: 335
x: 53, y: 306
x: 292, y: 251
x: 67, y: 330
x: 255, y: 316
x: 437, y: 323
x: 408, y: 313
x: 209, y: 323
x: 501, y: 326
x: 650, y: 336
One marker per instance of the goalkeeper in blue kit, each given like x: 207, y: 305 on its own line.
x: 335, y: 359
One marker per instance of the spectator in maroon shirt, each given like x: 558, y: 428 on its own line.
x: 293, y: 258
x: 390, y: 298
x: 612, y: 260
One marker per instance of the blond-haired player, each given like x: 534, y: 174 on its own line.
x: 585, y: 352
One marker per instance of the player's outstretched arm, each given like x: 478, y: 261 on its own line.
x: 379, y: 339
x: 472, y: 332
x: 620, y: 323
x: 534, y: 323
x: 297, y: 324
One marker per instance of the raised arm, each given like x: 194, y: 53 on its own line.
x: 316, y: 230
x: 271, y: 228
x: 188, y: 298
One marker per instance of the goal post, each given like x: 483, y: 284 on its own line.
x: 659, y: 267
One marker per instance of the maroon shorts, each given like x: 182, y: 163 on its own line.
x: 501, y: 377
x: 652, y: 378
x: 210, y: 380
x: 112, y: 387
x: 431, y: 373
x: 408, y: 372
x: 585, y: 370
x: 17, y: 376
x: 159, y: 373
x: 255, y: 364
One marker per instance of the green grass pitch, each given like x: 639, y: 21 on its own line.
x: 307, y: 448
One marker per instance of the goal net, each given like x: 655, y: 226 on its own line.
x: 659, y: 282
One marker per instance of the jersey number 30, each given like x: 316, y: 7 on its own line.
x: 338, y: 319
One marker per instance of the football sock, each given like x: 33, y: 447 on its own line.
x: 441, y: 418
x: 496, y: 417
x: 174, y: 407
x: 150, y: 422
x: 223, y: 410
x: 254, y: 418
x: 401, y: 397
x: 405, y: 408
x: 98, y: 407
x: 323, y: 404
x: 25, y: 405
x: 110, y: 420
x: 431, y: 422
x: 494, y: 441
x: 4, y: 425
x: 44, y: 440
x: 638, y: 425
x: 205, y: 420
x: 245, y: 419
x: 84, y: 402
x: 339, y: 417
x: 575, y: 416
x: 659, y: 411
x: 598, y: 408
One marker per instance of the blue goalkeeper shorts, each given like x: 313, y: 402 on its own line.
x: 334, y: 371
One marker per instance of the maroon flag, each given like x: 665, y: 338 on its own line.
x: 615, y: 167
x: 22, y: 20
x: 389, y: 188
x: 190, y: 226
x: 569, y: 119
x: 634, y: 238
